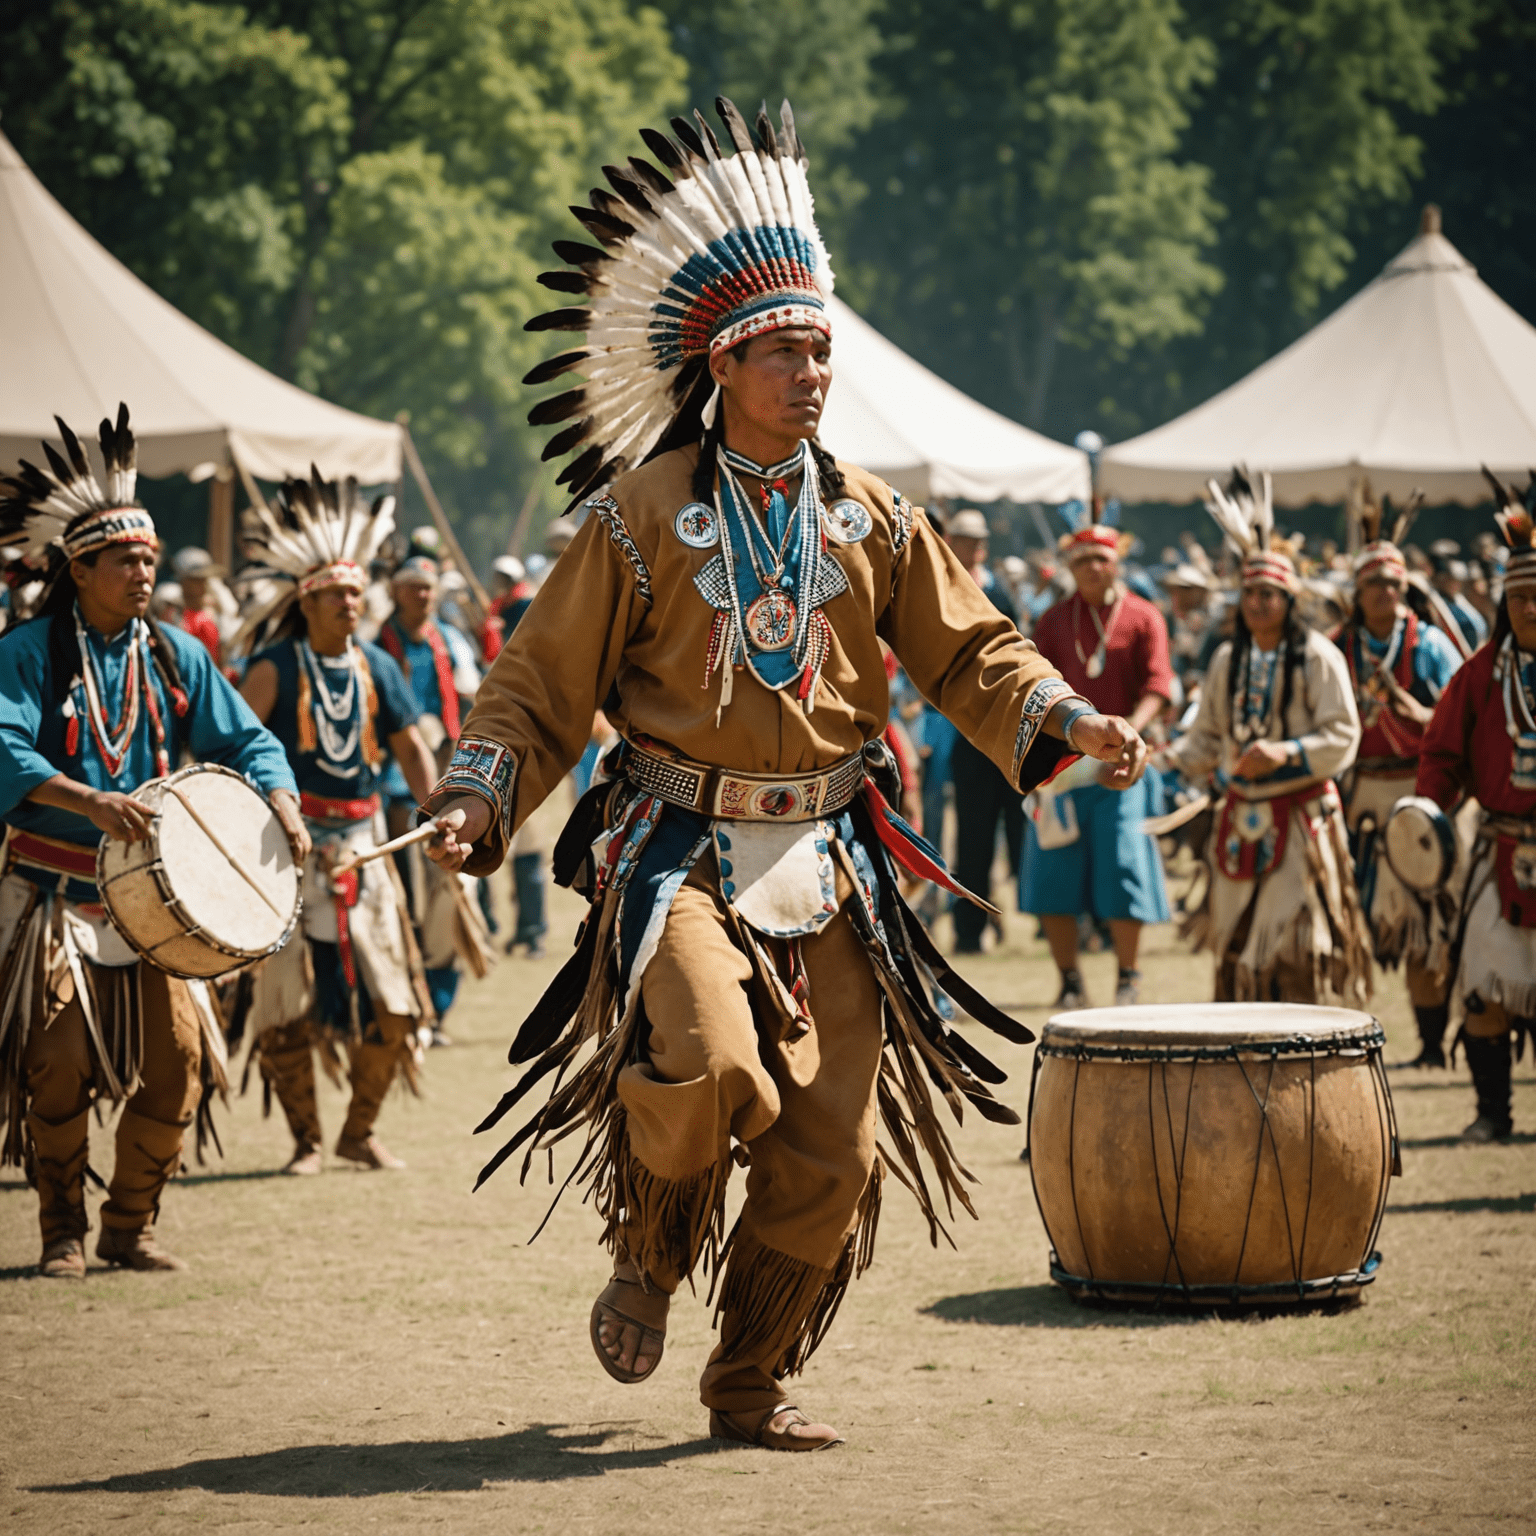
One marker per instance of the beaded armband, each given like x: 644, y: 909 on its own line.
x: 483, y: 768
x: 1037, y: 706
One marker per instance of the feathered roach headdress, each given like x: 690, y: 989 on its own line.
x: 1381, y: 555
x: 56, y: 514
x: 696, y: 258
x: 322, y: 534
x: 1381, y: 552
x: 1247, y: 517
x: 1516, y: 517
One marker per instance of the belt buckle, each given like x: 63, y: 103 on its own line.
x: 785, y: 799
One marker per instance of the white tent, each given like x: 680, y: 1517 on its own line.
x: 82, y: 332
x: 1422, y: 377
x: 891, y: 416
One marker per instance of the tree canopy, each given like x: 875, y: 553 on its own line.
x: 1084, y: 212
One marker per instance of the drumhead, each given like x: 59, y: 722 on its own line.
x: 1420, y: 843
x: 1218, y: 1027
x: 214, y: 893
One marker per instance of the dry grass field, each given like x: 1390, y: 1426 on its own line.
x: 371, y: 1352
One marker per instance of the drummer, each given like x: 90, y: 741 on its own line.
x: 1481, y: 742
x: 337, y: 704
x: 1277, y: 720
x: 439, y: 668
x: 98, y: 698
x: 1400, y: 658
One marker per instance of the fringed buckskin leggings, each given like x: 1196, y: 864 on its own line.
x: 150, y: 1130
x: 804, y: 1108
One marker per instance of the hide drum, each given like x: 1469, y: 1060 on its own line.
x: 214, y: 887
x: 1219, y: 1153
x: 1420, y: 844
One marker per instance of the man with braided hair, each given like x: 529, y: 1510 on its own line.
x: 1402, y: 646
x: 757, y: 992
x: 96, y: 699
x: 1481, y: 742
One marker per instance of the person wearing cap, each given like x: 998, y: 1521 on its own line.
x: 1086, y: 852
x: 984, y: 797
x: 1481, y: 743
x: 195, y: 570
x: 438, y: 664
x: 1189, y: 617
x: 750, y: 989
x: 1450, y: 581
x: 510, y: 595
x: 96, y: 698
x: 351, y: 987
x: 1276, y: 724
x: 1402, y: 647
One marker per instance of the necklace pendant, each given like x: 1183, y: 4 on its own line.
x: 1095, y: 667
x: 770, y: 621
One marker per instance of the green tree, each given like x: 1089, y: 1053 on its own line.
x: 356, y: 193
x: 1026, y: 193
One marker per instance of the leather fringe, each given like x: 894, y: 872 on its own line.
x: 667, y: 1227
x: 769, y: 1298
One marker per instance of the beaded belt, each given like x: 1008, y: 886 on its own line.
x: 319, y: 808
x: 724, y: 795
x: 1514, y: 828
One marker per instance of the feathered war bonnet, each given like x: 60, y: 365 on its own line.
x: 322, y: 534
x: 1516, y: 517
x: 694, y: 258
x: 1246, y: 515
x: 58, y: 514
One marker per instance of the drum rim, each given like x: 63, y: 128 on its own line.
x: 1076, y: 1035
x: 155, y: 868
x: 1218, y: 1293
x: 1445, y: 836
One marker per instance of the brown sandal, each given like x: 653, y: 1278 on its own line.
x: 728, y: 1426
x: 604, y: 1309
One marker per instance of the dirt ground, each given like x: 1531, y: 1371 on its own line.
x: 374, y: 1352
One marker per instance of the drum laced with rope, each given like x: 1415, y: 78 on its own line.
x: 213, y: 887
x: 1225, y: 1154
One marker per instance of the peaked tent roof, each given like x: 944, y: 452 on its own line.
x: 82, y: 332
x: 890, y: 415
x: 1422, y: 377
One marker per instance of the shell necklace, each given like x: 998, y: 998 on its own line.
x: 1094, y: 665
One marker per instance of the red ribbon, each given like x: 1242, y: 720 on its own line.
x: 393, y: 642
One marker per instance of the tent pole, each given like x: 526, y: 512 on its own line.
x: 520, y: 527
x: 440, y: 518
x: 221, y: 517
x: 251, y: 488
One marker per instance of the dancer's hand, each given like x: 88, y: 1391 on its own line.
x: 462, y: 822
x: 1261, y: 759
x: 119, y: 816
x: 285, y: 806
x: 1113, y: 740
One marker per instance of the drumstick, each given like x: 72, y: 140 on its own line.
x: 218, y: 842
x: 418, y: 835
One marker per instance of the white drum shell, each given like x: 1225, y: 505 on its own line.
x: 176, y: 897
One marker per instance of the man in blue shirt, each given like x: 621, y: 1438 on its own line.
x: 337, y: 705
x: 97, y: 699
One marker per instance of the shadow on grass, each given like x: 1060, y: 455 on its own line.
x: 230, y: 1178
x: 1047, y: 1306
x: 1506, y: 1205
x: 539, y: 1454
x: 1519, y: 1139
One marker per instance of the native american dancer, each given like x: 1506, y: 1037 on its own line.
x: 1402, y: 646
x: 438, y: 664
x: 98, y: 699
x: 1482, y: 742
x: 753, y: 984
x: 337, y: 705
x: 1086, y: 849
x: 1276, y: 722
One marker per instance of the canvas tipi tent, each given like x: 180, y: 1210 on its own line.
x: 890, y: 415
x: 82, y: 332
x: 1420, y: 379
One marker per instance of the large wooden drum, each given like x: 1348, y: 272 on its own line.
x: 1220, y: 1153
x: 214, y: 887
